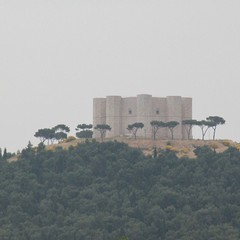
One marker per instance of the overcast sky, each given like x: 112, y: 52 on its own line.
x: 57, y: 55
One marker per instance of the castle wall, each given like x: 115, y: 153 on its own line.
x: 129, y: 114
x: 144, y: 114
x: 119, y: 112
x: 174, y: 113
x: 159, y: 113
x: 99, y: 113
x: 186, y: 114
x: 114, y: 115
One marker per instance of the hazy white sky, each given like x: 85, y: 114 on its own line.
x: 57, y: 55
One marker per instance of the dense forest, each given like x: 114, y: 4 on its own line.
x: 109, y: 191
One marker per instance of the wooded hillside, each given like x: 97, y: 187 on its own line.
x: 109, y: 191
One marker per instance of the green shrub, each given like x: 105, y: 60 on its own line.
x: 84, y: 134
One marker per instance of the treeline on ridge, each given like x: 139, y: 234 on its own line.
x: 60, y: 131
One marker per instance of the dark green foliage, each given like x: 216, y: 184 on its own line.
x: 59, y: 132
x: 60, y: 135
x: 84, y: 126
x: 108, y: 191
x: 85, y: 131
x: 61, y: 127
x: 6, y: 155
x: 45, y: 134
x: 84, y: 134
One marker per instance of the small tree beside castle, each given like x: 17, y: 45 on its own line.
x: 133, y: 128
x: 205, y: 125
x: 215, y: 120
x: 156, y: 125
x: 171, y: 125
x: 84, y: 130
x: 189, y: 124
x: 102, y: 128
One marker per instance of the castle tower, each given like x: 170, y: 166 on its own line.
x: 99, y: 114
x: 174, y: 113
x: 186, y: 114
x: 159, y: 113
x: 113, y: 115
x: 144, y: 113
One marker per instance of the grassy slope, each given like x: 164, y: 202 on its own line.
x: 181, y: 147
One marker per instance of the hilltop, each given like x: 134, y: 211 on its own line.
x: 183, y: 148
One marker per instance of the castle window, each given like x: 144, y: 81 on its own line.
x: 157, y: 111
x: 130, y: 111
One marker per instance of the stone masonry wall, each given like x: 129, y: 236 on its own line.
x: 119, y: 112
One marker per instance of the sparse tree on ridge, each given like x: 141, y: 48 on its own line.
x: 133, y: 128
x: 5, y: 154
x: 45, y: 134
x: 102, y: 128
x: 59, y: 136
x: 171, y: 125
x: 156, y: 125
x: 84, y: 126
x: 215, y: 120
x: 62, y: 128
x: 204, y: 125
x: 85, y: 132
x: 188, y: 124
x: 60, y: 132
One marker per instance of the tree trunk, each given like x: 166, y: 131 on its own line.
x: 214, y: 132
x: 101, y: 133
x: 202, y: 133
x: 189, y: 131
x: 172, y: 133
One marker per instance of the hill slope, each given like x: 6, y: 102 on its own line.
x: 109, y: 191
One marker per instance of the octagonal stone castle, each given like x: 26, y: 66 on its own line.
x: 119, y: 112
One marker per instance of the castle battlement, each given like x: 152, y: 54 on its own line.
x: 119, y: 112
